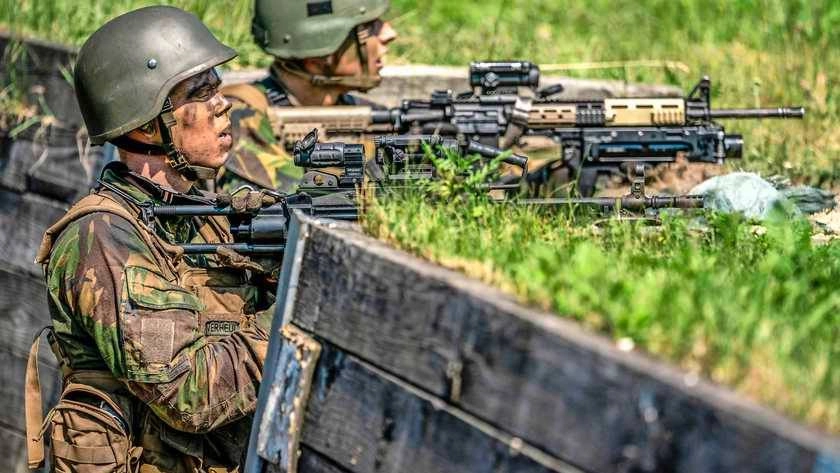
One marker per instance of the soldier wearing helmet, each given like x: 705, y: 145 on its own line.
x: 323, y: 49
x: 161, y: 352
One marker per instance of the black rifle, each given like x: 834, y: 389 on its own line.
x: 336, y: 166
x: 596, y: 137
x: 263, y: 231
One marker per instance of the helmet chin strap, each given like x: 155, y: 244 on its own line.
x: 363, y: 82
x: 174, y: 158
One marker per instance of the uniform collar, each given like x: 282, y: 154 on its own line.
x: 143, y: 190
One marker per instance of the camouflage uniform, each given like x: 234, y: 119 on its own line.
x: 258, y: 157
x: 178, y: 332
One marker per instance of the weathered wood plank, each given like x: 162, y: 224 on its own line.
x: 12, y: 450
x: 23, y: 303
x: 279, y: 434
x: 55, y: 170
x: 310, y: 462
x: 540, y: 378
x: 364, y: 420
x: 23, y: 220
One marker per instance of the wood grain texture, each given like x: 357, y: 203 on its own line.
x: 23, y: 305
x: 280, y: 431
x: 543, y: 379
x: 365, y: 420
x: 12, y: 451
x: 51, y: 169
x: 23, y: 220
x: 310, y: 462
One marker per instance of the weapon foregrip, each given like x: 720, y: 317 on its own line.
x: 492, y: 152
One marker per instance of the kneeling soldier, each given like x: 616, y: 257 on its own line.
x: 323, y: 51
x: 161, y: 352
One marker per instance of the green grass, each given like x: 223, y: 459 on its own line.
x: 755, y: 311
x: 753, y: 308
x: 758, y: 52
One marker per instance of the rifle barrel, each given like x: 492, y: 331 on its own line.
x: 781, y: 112
x: 190, y: 210
x: 245, y: 248
x: 626, y: 202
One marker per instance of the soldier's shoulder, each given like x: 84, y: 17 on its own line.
x: 97, y: 232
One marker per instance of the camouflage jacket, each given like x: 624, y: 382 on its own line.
x: 258, y: 157
x: 117, y: 305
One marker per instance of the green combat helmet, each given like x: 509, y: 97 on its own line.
x: 126, y: 69
x: 298, y: 29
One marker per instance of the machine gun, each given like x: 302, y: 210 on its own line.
x: 596, y: 137
x: 337, y: 166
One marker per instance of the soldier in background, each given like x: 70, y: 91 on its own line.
x: 323, y: 51
x: 162, y: 353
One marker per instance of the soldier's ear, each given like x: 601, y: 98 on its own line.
x: 315, y: 65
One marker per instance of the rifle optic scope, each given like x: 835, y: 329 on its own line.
x: 324, y: 155
x: 491, y: 75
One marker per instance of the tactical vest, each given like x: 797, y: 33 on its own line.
x: 97, y: 404
x: 261, y: 96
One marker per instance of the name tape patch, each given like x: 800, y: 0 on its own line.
x: 220, y: 328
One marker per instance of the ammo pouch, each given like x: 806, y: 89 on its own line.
x: 88, y: 430
x: 89, y: 433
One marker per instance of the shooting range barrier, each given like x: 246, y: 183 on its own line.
x: 380, y: 361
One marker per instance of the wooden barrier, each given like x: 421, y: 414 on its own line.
x: 421, y: 369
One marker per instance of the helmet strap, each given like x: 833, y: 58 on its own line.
x: 363, y: 82
x: 174, y: 158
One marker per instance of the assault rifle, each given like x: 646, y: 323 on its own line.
x: 507, y: 79
x: 261, y: 231
x: 338, y: 166
x: 598, y: 136
x: 263, y: 228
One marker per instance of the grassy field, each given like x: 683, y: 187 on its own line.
x: 754, y: 308
x: 758, y: 52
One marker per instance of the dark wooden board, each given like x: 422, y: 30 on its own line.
x: 53, y: 170
x: 23, y: 305
x: 12, y: 450
x: 570, y: 393
x: 363, y: 420
x: 310, y: 462
x: 23, y: 220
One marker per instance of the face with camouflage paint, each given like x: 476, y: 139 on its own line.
x: 202, y: 130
